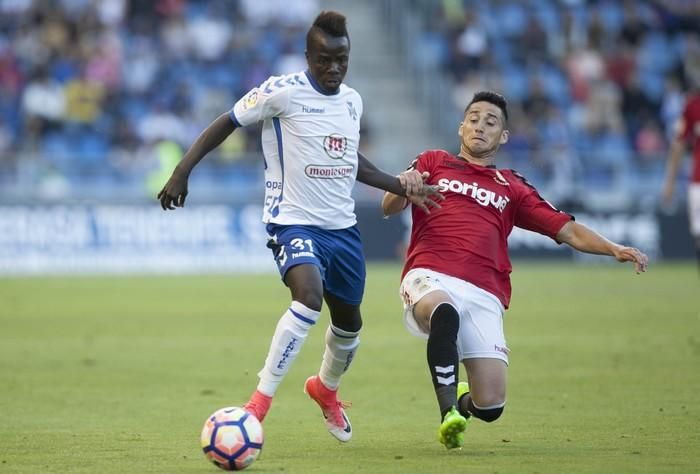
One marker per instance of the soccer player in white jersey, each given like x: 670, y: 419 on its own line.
x: 456, y: 280
x: 310, y: 138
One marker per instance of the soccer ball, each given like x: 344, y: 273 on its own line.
x: 232, y: 438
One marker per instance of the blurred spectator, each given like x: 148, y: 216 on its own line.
x: 209, y: 35
x: 534, y: 43
x: 43, y: 104
x: 91, y: 86
x: 594, y: 82
x: 536, y: 104
x: 601, y: 110
x: 5, y: 139
x: 637, y: 107
x: 672, y: 104
x: 557, y: 151
x: 633, y: 27
x: 83, y: 101
x: 649, y: 142
x: 470, y: 45
x: 584, y: 66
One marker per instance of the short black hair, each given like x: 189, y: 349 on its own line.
x: 329, y: 22
x: 492, y: 97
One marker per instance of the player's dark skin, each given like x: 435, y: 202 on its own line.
x: 327, y: 58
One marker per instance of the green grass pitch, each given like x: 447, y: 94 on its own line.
x: 118, y: 374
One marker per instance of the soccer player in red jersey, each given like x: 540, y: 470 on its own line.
x: 688, y: 131
x: 456, y: 283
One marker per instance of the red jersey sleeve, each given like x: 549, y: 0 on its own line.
x: 536, y: 214
x: 691, y: 116
x: 423, y: 162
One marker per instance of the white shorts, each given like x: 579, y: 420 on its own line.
x: 480, y: 313
x: 694, y: 208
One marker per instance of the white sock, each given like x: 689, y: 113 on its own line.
x: 340, y: 350
x: 290, y: 334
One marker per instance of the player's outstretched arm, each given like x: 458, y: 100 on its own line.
x: 393, y: 204
x: 370, y: 175
x: 174, y: 192
x: 408, y: 183
x: 586, y: 240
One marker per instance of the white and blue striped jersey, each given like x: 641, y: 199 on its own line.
x: 310, y: 140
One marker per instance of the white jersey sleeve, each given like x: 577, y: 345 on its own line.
x: 260, y: 103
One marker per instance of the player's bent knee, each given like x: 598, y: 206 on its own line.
x: 426, y: 307
x: 488, y: 414
x: 310, y: 298
x: 445, y: 315
x: 491, y: 399
x: 351, y: 324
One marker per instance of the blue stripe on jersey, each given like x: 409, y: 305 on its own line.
x: 280, y: 153
x: 232, y: 116
x: 306, y: 320
x: 317, y: 86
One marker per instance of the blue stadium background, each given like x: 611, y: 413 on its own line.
x: 98, y: 100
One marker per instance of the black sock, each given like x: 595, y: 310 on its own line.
x: 465, y: 405
x: 443, y: 359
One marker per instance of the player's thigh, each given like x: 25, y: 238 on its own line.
x: 306, y: 285
x: 481, y: 332
x: 345, y: 265
x: 421, y: 291
x: 294, y: 245
x: 298, y: 253
x: 487, y: 380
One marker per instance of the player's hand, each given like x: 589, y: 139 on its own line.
x: 428, y: 197
x: 424, y: 202
x: 412, y: 181
x: 631, y: 254
x: 174, y: 192
x: 420, y: 194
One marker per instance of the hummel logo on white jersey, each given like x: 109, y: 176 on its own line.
x: 481, y: 195
x: 313, y: 110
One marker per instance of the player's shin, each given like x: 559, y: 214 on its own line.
x: 290, y: 334
x: 341, y: 347
x: 443, y: 358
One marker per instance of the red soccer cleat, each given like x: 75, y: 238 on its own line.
x: 258, y: 405
x: 333, y: 409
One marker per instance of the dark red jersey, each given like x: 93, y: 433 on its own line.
x: 468, y: 237
x: 691, y: 132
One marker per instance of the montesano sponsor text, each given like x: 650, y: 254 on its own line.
x: 328, y: 172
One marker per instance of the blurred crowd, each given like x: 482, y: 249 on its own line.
x: 111, y: 89
x: 92, y: 85
x: 594, y: 87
